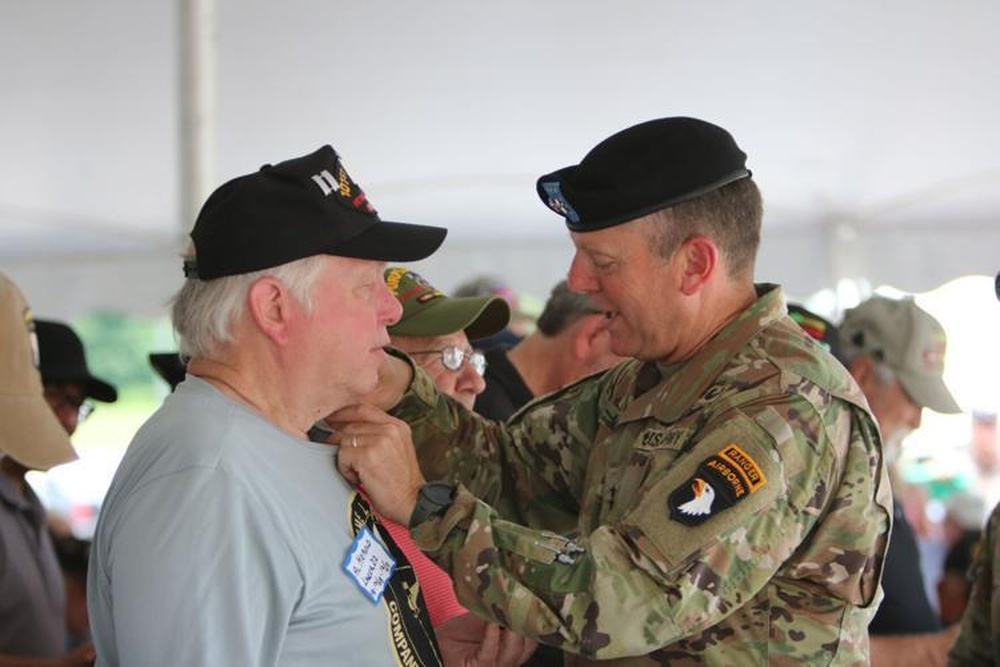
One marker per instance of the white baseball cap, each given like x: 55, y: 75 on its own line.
x: 908, y: 340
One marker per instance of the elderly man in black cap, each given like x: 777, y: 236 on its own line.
x: 226, y: 538
x: 720, y: 498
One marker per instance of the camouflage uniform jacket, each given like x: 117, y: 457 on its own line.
x: 978, y: 641
x: 732, y: 509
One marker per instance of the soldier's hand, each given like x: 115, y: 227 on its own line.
x: 468, y: 641
x: 376, y: 453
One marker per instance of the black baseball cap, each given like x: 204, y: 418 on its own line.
x: 61, y: 359
x: 169, y: 366
x: 295, y: 209
x: 642, y: 169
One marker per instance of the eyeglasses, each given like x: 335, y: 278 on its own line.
x: 453, y: 356
x: 61, y: 400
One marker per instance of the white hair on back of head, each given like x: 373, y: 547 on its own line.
x: 203, y: 311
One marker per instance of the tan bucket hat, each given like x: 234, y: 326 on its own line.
x: 29, y: 431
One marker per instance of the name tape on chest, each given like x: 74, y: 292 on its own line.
x: 721, y: 481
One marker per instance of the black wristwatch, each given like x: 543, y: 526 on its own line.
x: 434, y: 500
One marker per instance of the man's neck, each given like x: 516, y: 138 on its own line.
x: 724, y: 308
x: 245, y: 383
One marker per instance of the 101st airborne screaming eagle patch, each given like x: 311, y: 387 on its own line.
x: 721, y: 481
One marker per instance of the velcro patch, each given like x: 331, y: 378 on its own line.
x: 721, y: 481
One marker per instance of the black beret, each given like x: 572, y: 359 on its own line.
x: 642, y: 169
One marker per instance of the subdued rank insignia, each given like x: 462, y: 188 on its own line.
x: 721, y: 481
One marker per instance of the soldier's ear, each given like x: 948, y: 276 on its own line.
x: 699, y: 257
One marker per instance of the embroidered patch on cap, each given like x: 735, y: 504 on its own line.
x: 933, y: 355
x: 406, y: 284
x: 558, y: 203
x: 344, y: 189
x: 721, y: 481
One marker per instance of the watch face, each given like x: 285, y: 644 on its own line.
x: 434, y: 500
x: 439, y: 493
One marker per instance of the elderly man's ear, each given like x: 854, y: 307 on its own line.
x: 270, y: 306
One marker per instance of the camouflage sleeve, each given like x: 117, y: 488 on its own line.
x: 665, y: 570
x: 538, y: 485
x: 976, y: 640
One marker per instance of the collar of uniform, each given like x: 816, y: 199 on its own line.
x: 687, y: 381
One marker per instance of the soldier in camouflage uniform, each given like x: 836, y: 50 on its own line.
x: 978, y: 641
x: 718, y: 499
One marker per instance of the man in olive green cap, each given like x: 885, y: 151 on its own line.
x: 719, y: 498
x: 436, y: 331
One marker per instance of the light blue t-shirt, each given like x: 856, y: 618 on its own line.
x: 221, y: 542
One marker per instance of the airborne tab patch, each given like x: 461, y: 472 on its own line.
x: 721, y: 481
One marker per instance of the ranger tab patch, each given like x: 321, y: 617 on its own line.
x: 721, y: 481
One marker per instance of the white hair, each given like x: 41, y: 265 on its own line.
x: 203, y: 311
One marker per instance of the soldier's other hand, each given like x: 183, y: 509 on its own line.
x: 376, y: 453
x: 469, y: 641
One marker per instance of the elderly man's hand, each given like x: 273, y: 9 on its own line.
x: 469, y: 641
x: 376, y: 453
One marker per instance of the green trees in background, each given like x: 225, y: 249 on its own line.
x: 118, y: 346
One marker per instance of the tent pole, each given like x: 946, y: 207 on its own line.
x: 197, y: 35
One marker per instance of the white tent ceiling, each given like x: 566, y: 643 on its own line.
x: 871, y: 127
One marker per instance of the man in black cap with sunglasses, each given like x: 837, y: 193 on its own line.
x: 720, y: 498
x: 69, y: 384
x: 226, y: 538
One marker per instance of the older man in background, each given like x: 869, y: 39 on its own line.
x: 896, y: 350
x: 570, y: 340
x: 438, y: 332
x: 32, y: 592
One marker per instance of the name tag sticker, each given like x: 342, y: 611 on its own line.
x: 369, y: 564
